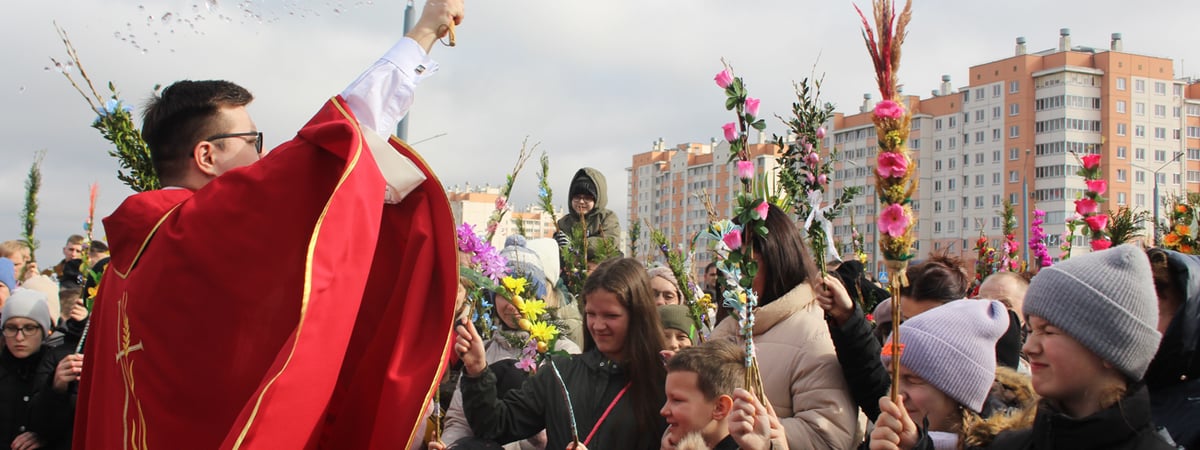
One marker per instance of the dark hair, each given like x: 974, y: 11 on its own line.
x: 786, y: 261
x: 183, y: 114
x: 941, y: 278
x: 710, y: 266
x: 98, y: 246
x: 719, y: 365
x: 627, y: 279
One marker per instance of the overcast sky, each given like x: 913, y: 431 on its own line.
x: 594, y: 82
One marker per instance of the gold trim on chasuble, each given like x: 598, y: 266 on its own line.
x: 308, y: 268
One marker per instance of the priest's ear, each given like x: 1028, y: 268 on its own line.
x: 204, y: 154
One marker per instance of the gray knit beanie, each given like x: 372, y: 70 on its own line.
x: 953, y: 348
x: 1106, y: 301
x: 29, y: 304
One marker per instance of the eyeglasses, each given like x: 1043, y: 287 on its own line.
x: 257, y: 135
x: 27, y: 330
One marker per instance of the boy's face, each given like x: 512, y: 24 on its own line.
x: 686, y: 410
x: 676, y: 339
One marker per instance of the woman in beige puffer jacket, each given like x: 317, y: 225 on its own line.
x: 800, y: 371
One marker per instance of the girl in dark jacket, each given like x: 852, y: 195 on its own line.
x: 35, y: 408
x: 615, y: 386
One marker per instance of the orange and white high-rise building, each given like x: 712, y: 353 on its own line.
x: 475, y: 204
x: 1015, y: 132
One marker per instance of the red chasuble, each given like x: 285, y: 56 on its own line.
x: 282, y: 306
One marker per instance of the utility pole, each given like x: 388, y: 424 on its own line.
x: 409, y: 18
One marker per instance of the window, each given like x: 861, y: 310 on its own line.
x: 1194, y: 176
x: 996, y: 90
x: 978, y: 180
x: 995, y: 199
x: 1121, y: 106
x: 979, y: 115
x: 1121, y: 152
x: 952, y: 120
x: 1014, y: 199
x: 1160, y: 88
x: 1121, y: 198
x: 996, y: 111
x: 995, y: 223
x: 1012, y: 176
x: 915, y: 144
x: 1013, y: 86
x: 937, y: 166
x: 1160, y: 155
x: 1139, y: 130
x: 1139, y: 154
x: 1139, y: 176
x: 979, y: 93
x: 951, y: 164
x: 937, y: 145
x: 995, y: 134
x: 1160, y: 178
x: 1193, y: 132
x: 1014, y: 131
x: 966, y: 96
x: 996, y: 178
x: 950, y: 223
x: 966, y: 160
x: 1014, y: 109
x: 995, y: 155
x: 1177, y: 111
x: 978, y: 202
x: 1193, y: 154
x: 953, y: 142
x: 950, y: 185
x: 979, y: 158
x: 937, y: 186
x: 937, y: 227
x: 1120, y: 84
x: 1175, y: 177
x: 1139, y: 108
x: 1160, y: 133
x: 1013, y: 154
x: 1122, y: 129
x: 1160, y: 111
x: 978, y: 137
x: 1121, y: 175
x: 952, y: 204
x: 937, y: 125
x: 1139, y: 200
x: 937, y: 206
x: 1139, y: 86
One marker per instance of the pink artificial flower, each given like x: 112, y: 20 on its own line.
x: 821, y: 133
x: 500, y: 203
x: 752, y: 106
x: 888, y: 109
x: 808, y: 146
x: 891, y: 165
x: 822, y: 179
x: 810, y: 178
x: 1085, y: 206
x: 1097, y: 222
x: 1091, y: 161
x: 724, y: 79
x: 491, y: 227
x: 733, y: 239
x: 812, y: 159
x: 762, y: 209
x: 1097, y: 186
x: 731, y: 131
x: 745, y: 170
x: 527, y: 364
x: 1101, y: 244
x: 893, y: 220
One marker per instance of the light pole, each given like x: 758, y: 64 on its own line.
x: 409, y: 18
x: 1156, y: 199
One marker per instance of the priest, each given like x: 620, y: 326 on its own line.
x: 297, y: 299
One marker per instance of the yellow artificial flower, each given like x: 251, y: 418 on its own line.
x: 532, y: 308
x: 514, y: 285
x: 543, y: 331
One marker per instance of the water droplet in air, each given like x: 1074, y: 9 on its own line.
x: 210, y: 4
x: 166, y: 18
x: 117, y: 34
x: 21, y: 90
x: 141, y: 7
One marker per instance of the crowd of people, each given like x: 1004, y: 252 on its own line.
x: 1095, y: 352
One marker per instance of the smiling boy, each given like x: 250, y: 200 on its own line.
x: 700, y: 384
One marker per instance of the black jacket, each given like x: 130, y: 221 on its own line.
x: 593, y: 382
x: 858, y: 353
x: 1124, y: 425
x: 1174, y: 374
x: 27, y: 402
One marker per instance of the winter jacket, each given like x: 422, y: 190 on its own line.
x: 800, y: 372
x: 593, y: 382
x: 497, y: 348
x: 1011, y: 405
x: 1124, y: 425
x: 27, y: 401
x: 602, y: 223
x: 858, y: 354
x: 1174, y: 374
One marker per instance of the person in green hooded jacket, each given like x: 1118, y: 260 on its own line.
x: 589, y: 200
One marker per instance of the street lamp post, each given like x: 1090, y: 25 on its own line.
x: 1156, y: 199
x: 409, y: 18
